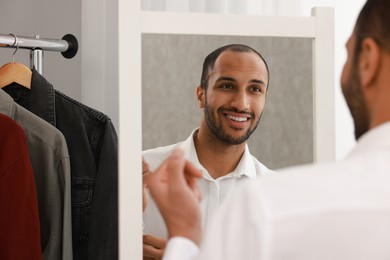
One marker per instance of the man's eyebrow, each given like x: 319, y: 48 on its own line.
x: 258, y: 81
x: 225, y: 79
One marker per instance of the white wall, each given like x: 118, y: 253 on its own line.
x: 99, y: 59
x: 50, y: 19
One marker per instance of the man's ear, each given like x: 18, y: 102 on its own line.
x: 200, y: 94
x: 369, y: 62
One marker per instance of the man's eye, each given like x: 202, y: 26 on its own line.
x: 256, y: 89
x: 226, y: 86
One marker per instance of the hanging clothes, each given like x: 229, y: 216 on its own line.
x: 93, y: 148
x: 50, y: 162
x: 19, y: 218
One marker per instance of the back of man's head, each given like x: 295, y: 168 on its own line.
x: 374, y: 22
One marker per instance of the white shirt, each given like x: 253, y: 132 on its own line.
x: 214, y: 191
x: 330, y: 211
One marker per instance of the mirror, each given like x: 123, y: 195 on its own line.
x: 171, y: 70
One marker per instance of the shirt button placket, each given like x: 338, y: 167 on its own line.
x: 213, y: 199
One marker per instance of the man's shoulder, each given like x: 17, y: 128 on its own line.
x: 325, y: 182
x: 155, y: 156
x: 158, y: 151
x: 261, y: 169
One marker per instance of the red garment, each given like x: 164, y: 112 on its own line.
x: 19, y: 218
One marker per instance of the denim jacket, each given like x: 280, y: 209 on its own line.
x: 92, y: 144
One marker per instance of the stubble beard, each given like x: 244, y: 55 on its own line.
x: 218, y: 131
x: 356, y: 102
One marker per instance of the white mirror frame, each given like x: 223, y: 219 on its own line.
x: 133, y: 23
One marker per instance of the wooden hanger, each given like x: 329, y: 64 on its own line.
x: 15, y: 72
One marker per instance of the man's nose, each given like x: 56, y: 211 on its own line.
x: 241, y: 101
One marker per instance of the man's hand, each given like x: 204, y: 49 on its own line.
x: 153, y: 247
x: 173, y: 187
x: 145, y: 174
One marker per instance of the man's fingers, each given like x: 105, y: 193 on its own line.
x: 145, y: 172
x: 192, y: 174
x: 145, y: 179
x: 175, y: 198
x: 151, y: 252
x: 153, y: 246
x: 156, y: 242
x: 175, y: 168
x: 191, y: 170
x: 145, y: 166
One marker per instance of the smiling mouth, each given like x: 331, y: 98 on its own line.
x: 238, y: 118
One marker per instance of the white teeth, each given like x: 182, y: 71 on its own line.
x: 239, y: 119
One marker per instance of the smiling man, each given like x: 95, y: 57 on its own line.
x: 232, y: 94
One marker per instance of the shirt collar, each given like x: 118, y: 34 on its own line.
x: 43, y: 98
x: 188, y: 146
x: 376, y: 138
x: 39, y: 99
x: 7, y: 105
x: 245, y: 167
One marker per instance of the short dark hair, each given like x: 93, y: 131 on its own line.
x: 373, y: 22
x: 209, y: 61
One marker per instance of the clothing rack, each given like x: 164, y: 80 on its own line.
x: 68, y: 46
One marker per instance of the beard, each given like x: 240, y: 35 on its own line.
x: 353, y: 94
x: 217, y: 129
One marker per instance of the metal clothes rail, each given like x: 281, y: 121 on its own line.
x: 68, y: 46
